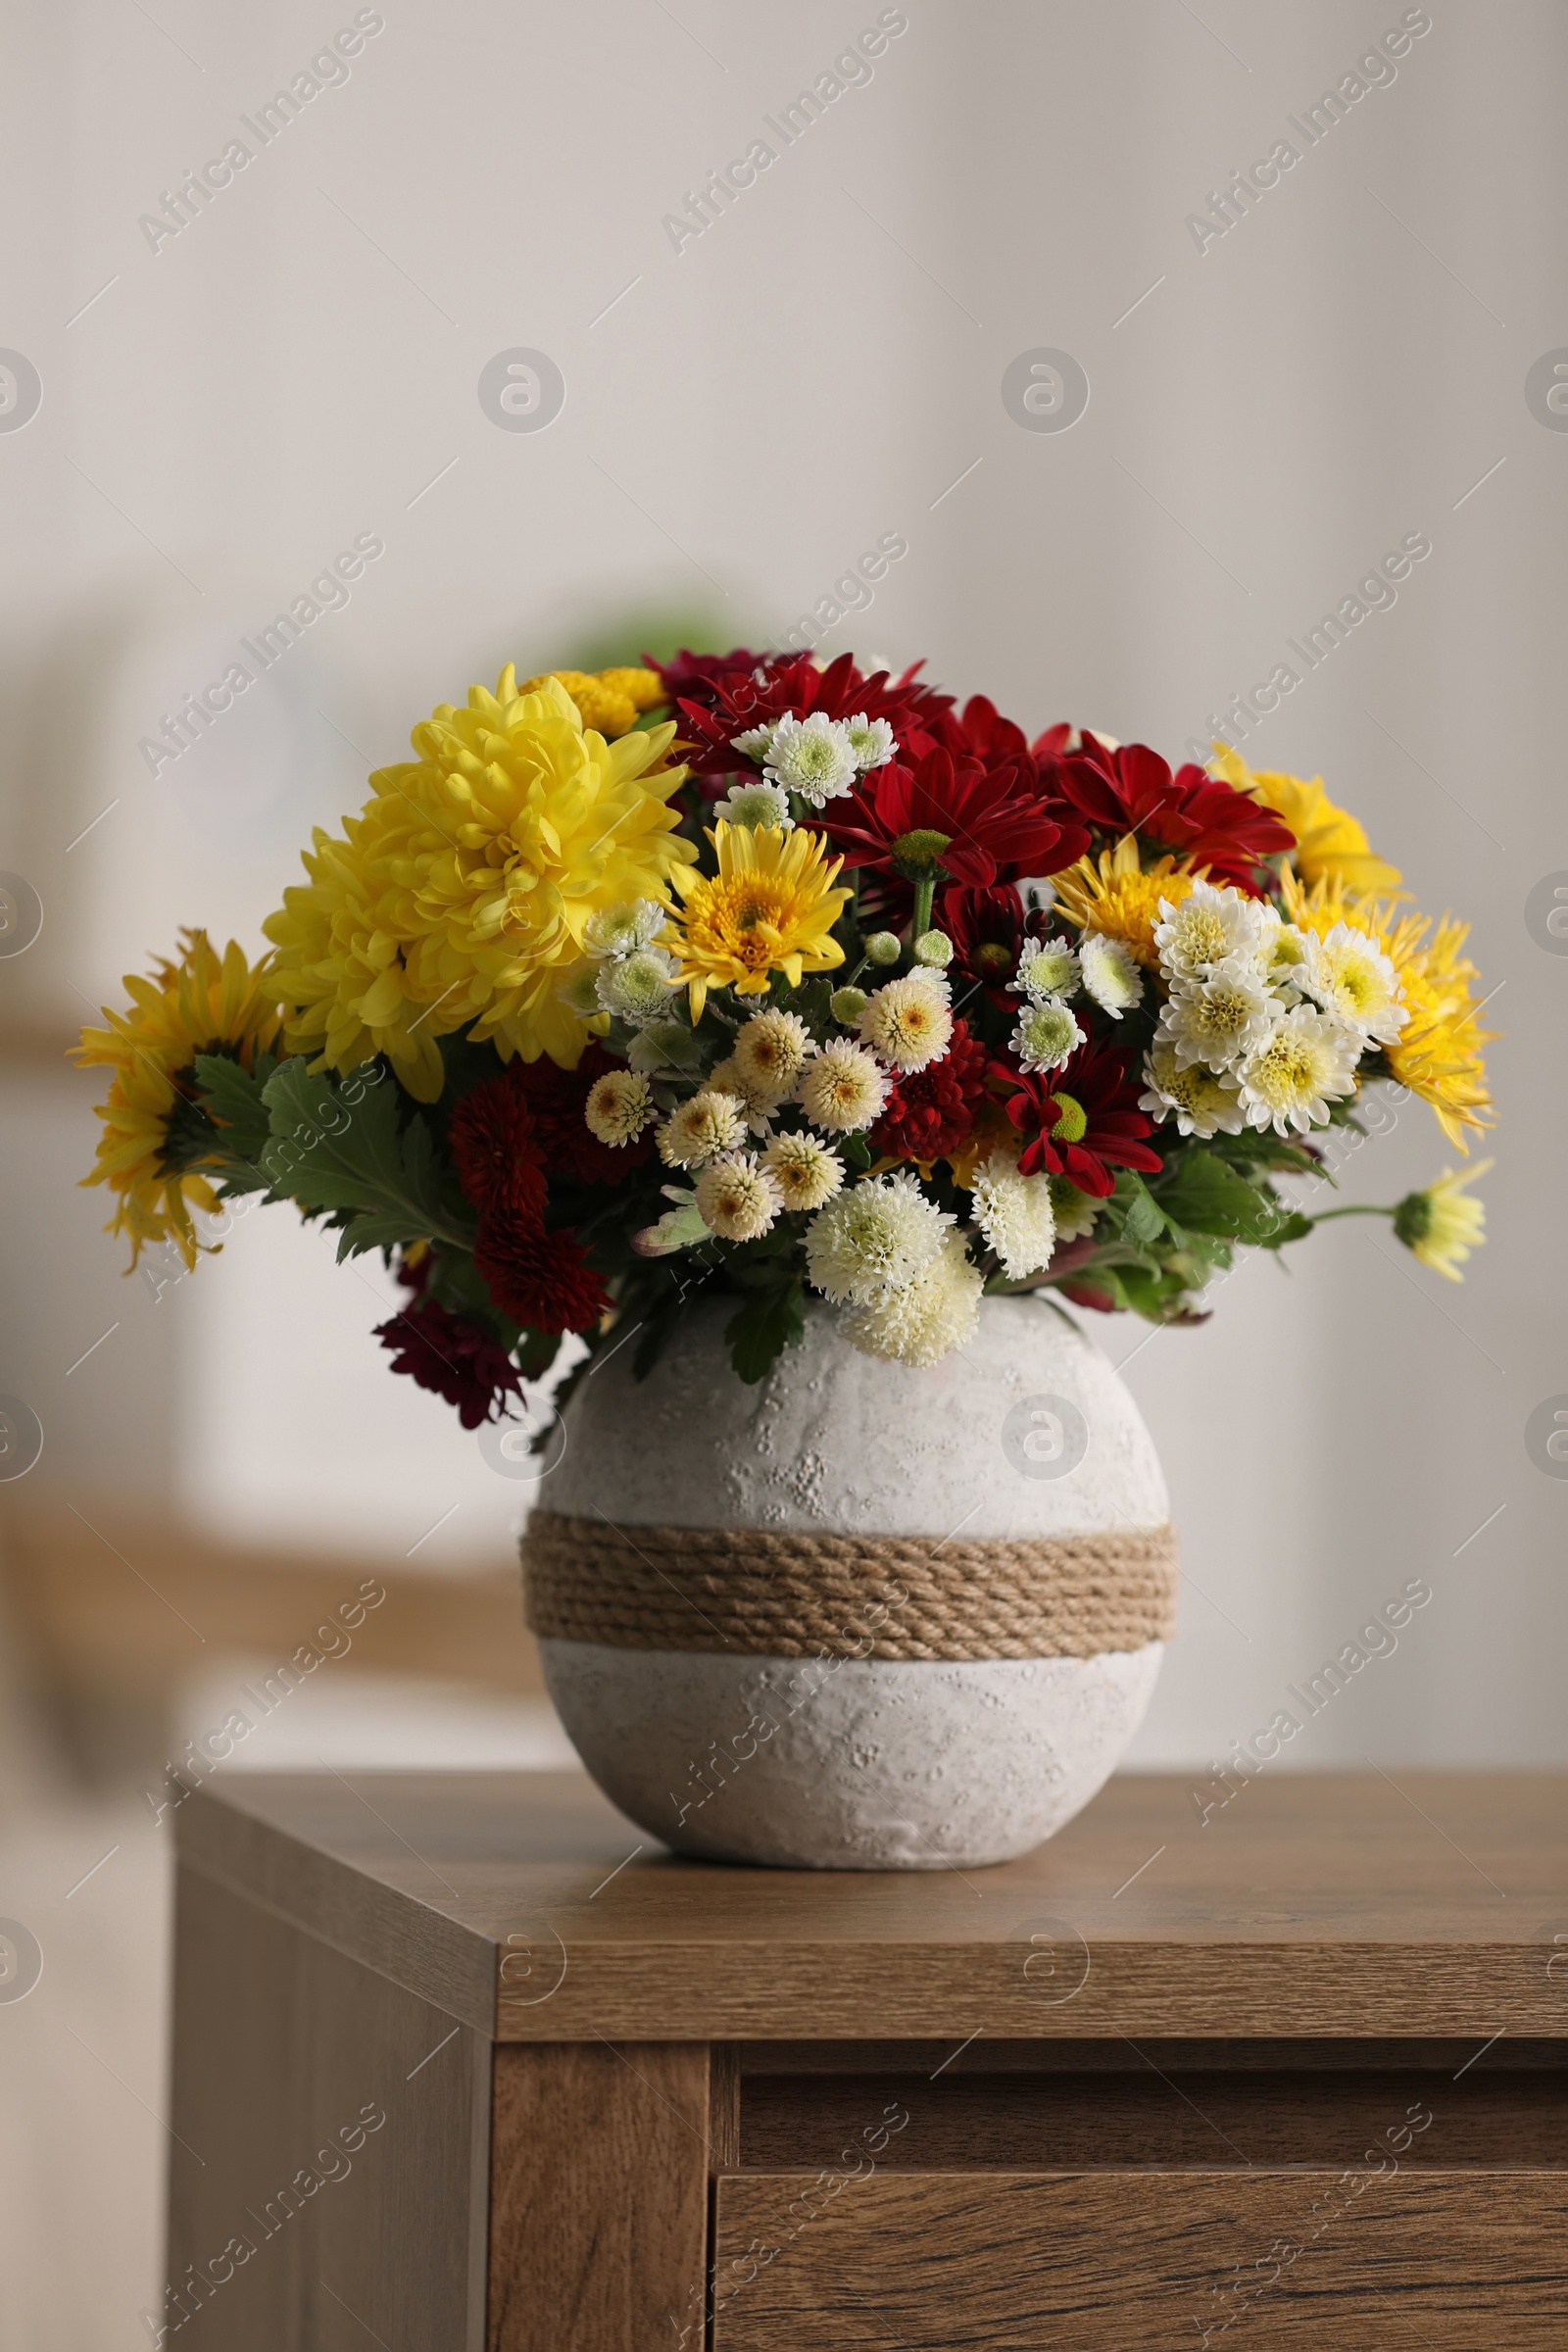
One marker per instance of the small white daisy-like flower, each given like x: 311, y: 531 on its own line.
x: 637, y: 988
x: 703, y: 1128
x: 580, y: 989
x: 908, y: 1022
x: 1218, y: 1020
x: 1306, y: 1061
x: 1202, y: 1102
x: 754, y: 803
x: 805, y: 1170
x: 1076, y: 1211
x: 1209, y: 926
x: 844, y: 1089
x: 876, y: 1237
x: 1347, y: 972
x: 622, y: 930
x: 618, y: 1107
x: 871, y: 741
x: 1046, y: 1035
x: 923, y: 1319
x: 737, y: 1198
x: 1047, y: 967
x: 1015, y: 1216
x: 1109, y: 974
x: 727, y: 1077
x: 772, y: 1049
x: 1284, y: 952
x: 665, y: 1045
x: 755, y: 743
x: 810, y: 756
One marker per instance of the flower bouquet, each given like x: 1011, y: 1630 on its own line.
x: 745, y: 977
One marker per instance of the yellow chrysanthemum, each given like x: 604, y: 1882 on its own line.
x: 769, y: 908
x: 203, y: 1004
x: 1438, y: 1053
x: 462, y: 893
x: 1118, y: 898
x: 610, y: 700
x: 1441, y: 1224
x: 1330, y: 845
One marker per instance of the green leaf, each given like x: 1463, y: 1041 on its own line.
x: 1207, y: 1196
x: 856, y: 1150
x: 768, y: 1323
x: 336, y: 1145
x: 1292, y: 1227
x: 536, y: 1352
x: 677, y: 1229
x: 1144, y: 1218
x: 234, y: 1096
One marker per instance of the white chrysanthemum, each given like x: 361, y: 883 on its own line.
x: 772, y: 1048
x: 752, y: 803
x: 757, y: 742
x: 665, y: 1045
x: 874, y: 1238
x: 908, y: 1022
x: 1076, y: 1211
x: 871, y: 742
x: 622, y: 930
x: 1347, y: 972
x: 1284, y: 952
x: 1209, y: 926
x: 1218, y: 1020
x: 703, y: 1128
x: 727, y: 1077
x: 1014, y: 1214
x: 1047, y: 967
x: 737, y: 1198
x: 927, y: 1317
x: 1306, y: 1061
x: 618, y: 1107
x: 805, y: 1170
x: 580, y: 989
x: 1046, y: 1035
x: 638, y: 987
x: 810, y: 756
x: 844, y: 1089
x: 1202, y: 1102
x: 1109, y: 974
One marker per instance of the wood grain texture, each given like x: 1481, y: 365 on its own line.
x: 310, y: 2222
x: 599, y: 2198
x: 1117, y: 2262
x: 1318, y: 1906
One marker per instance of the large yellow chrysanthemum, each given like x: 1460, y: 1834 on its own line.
x: 1117, y: 898
x: 769, y: 908
x: 1438, y: 1053
x: 1330, y: 845
x: 461, y: 894
x: 202, y: 1004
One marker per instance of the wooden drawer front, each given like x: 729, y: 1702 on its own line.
x: 1313, y: 2261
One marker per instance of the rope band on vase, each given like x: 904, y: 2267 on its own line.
x: 753, y: 1593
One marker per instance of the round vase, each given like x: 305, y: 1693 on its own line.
x: 855, y: 1617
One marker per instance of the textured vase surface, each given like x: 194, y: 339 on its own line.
x: 1015, y: 1449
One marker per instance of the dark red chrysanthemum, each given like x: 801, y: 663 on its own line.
x: 930, y: 1111
x: 1189, y: 814
x: 697, y: 674
x: 1081, y: 1120
x: 970, y: 822
x: 540, y: 1280
x: 493, y: 1149
x: 565, y: 1144
x: 988, y: 928
x: 792, y: 685
x: 453, y: 1357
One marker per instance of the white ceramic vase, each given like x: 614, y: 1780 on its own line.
x: 1025, y: 1438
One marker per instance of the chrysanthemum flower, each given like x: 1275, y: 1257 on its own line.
x: 491, y: 1139
x: 702, y: 1128
x: 737, y: 1197
x: 637, y: 988
x: 1441, y: 1225
x: 1130, y: 789
x: 610, y: 700
x: 772, y: 1049
x: 1075, y: 1211
x: 805, y: 1170
x: 540, y: 1280
x: 1115, y: 897
x: 908, y: 1022
x: 1202, y: 1101
x: 1306, y: 1061
x: 154, y: 1137
x: 755, y: 802
x: 1345, y: 971
x: 453, y: 1357
x: 1208, y: 926
x: 874, y: 1238
x: 464, y: 889
x: 1015, y: 1216
x: 844, y: 1089
x: 1219, y: 1020
x: 1330, y: 845
x: 1109, y: 975
x: 622, y: 930
x: 871, y: 741
x: 557, y: 1101
x: 618, y: 1107
x: 927, y: 1316
x: 770, y: 908
x: 811, y: 757
x: 1047, y: 967
x: 931, y: 1113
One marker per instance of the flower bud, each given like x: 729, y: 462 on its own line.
x: 848, y: 1003
x: 933, y: 946
x: 883, y: 947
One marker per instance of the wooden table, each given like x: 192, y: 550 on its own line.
x: 462, y: 2061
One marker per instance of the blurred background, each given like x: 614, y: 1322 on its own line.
x: 734, y: 399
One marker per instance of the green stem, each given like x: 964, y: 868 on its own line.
x: 1362, y: 1209
x: 924, y: 892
